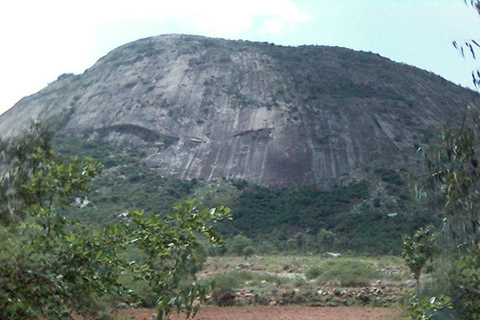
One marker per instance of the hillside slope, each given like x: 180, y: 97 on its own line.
x: 275, y: 116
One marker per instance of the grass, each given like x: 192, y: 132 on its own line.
x: 237, y: 279
x: 305, y: 280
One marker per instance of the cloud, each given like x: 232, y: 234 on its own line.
x: 208, y: 17
x: 43, y: 39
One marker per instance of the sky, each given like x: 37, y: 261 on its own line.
x: 40, y: 40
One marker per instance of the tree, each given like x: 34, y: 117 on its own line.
x: 52, y: 266
x: 453, y: 165
x: 248, y: 251
x: 169, y: 245
x: 454, y: 169
x: 49, y: 265
x: 418, y: 250
x: 325, y: 240
x: 237, y: 244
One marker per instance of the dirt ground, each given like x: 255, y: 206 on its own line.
x: 279, y: 313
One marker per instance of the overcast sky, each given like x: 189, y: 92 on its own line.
x: 42, y: 39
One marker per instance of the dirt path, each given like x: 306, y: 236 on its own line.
x: 280, y: 313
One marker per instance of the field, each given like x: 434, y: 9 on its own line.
x: 308, y: 281
x: 296, y: 287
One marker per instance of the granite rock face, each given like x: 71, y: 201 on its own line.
x: 275, y: 116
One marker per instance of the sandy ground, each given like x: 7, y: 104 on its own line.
x: 279, y: 313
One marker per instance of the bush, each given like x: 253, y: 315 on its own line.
x: 223, y: 296
x: 224, y: 286
x: 313, y: 273
x: 237, y: 244
x: 348, y: 272
x: 464, y: 276
x: 424, y: 308
x: 248, y: 251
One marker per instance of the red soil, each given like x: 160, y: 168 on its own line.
x: 279, y: 313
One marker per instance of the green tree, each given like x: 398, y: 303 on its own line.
x: 49, y: 265
x: 248, y: 251
x: 418, y: 250
x: 238, y: 243
x: 52, y: 267
x: 170, y: 245
x: 325, y: 240
x: 453, y: 167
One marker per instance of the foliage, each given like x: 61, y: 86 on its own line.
x: 52, y: 266
x: 49, y: 266
x: 292, y: 220
x: 280, y: 280
x: 125, y: 183
x: 454, y: 167
x: 325, y: 240
x: 35, y: 180
x: 470, y: 47
x: 464, y: 275
x: 223, y: 286
x: 248, y: 251
x: 277, y: 220
x: 169, y: 244
x: 313, y: 272
x: 418, y: 250
x: 348, y: 272
x: 237, y: 244
x: 424, y: 308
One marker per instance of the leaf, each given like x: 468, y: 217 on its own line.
x: 472, y: 51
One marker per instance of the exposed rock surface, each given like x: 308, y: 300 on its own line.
x: 275, y: 116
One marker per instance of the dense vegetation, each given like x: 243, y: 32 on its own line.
x: 53, y: 266
x: 452, y: 253
x: 368, y: 217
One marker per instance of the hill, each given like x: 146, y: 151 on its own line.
x: 309, y: 145
x: 195, y: 107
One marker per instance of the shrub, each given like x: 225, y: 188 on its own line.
x: 424, y: 308
x: 248, y: 251
x: 224, y: 285
x: 348, y: 272
x: 313, y: 273
x: 464, y: 276
x: 237, y: 244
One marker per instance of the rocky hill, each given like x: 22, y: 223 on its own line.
x: 276, y: 116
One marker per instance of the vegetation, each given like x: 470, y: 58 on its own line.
x: 424, y: 308
x: 347, y: 272
x: 357, y: 218
x: 286, y: 280
x: 52, y: 266
x: 418, y: 250
x: 452, y: 172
